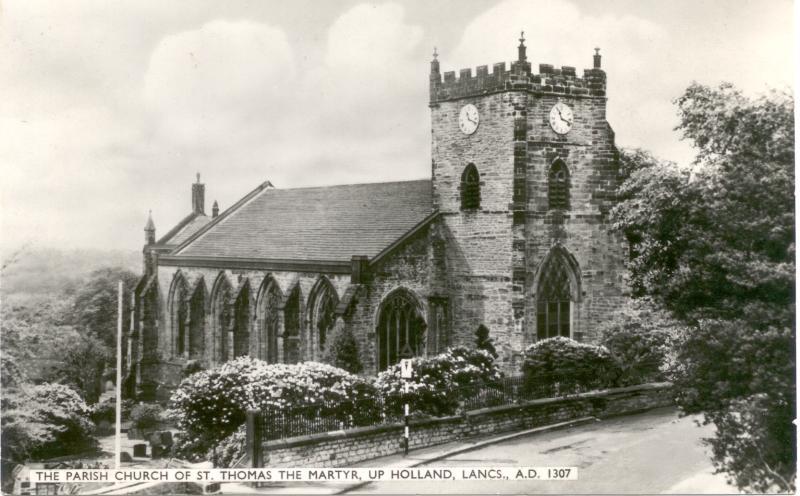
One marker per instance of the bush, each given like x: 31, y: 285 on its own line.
x: 45, y: 421
x: 211, y: 405
x: 640, y: 338
x: 560, y: 365
x: 439, y: 384
x: 483, y: 341
x: 230, y: 450
x: 146, y: 417
x: 106, y: 410
x: 192, y: 367
x: 342, y: 351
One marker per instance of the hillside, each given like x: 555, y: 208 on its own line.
x: 38, y: 272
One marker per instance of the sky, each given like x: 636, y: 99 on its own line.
x: 109, y: 108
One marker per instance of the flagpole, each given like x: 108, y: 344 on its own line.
x: 118, y: 437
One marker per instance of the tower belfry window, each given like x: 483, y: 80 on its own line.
x: 558, y: 186
x: 470, y: 188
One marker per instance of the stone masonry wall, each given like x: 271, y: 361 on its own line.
x: 583, y: 230
x: 170, y: 365
x: 408, y: 267
x: 479, y: 242
x: 344, y: 448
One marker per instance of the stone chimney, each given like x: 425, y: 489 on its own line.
x: 597, y: 58
x: 198, y: 197
x: 215, y: 210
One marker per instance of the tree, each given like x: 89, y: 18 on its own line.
x: 82, y: 364
x: 715, y: 246
x: 639, y: 336
x: 483, y: 341
x: 342, y: 351
x: 94, y: 310
x: 44, y: 421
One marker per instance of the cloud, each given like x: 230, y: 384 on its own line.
x: 371, y: 75
x: 204, y: 85
x: 559, y: 33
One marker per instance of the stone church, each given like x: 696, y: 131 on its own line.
x: 510, y: 232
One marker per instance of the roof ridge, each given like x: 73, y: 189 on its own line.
x: 354, y: 184
x: 224, y: 215
x: 178, y: 227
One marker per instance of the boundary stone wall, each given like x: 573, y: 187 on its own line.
x: 343, y: 448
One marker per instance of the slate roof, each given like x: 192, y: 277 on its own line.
x: 330, y: 223
x: 185, y: 228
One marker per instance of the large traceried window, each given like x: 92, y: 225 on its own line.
x: 558, y: 186
x: 470, y: 188
x: 554, y: 303
x: 401, y: 329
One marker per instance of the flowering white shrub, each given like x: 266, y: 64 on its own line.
x: 45, y: 421
x: 439, y: 382
x: 210, y: 405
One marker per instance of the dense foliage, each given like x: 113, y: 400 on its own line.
x: 439, y: 383
x: 94, y: 308
x: 640, y: 338
x: 342, y: 350
x: 146, y: 416
x: 715, y: 247
x: 561, y: 365
x: 484, y: 342
x: 44, y: 421
x: 212, y: 404
x: 65, y: 338
x: 230, y: 450
x: 106, y: 410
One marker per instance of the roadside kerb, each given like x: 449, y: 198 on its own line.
x: 478, y: 445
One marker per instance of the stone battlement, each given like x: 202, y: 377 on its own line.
x: 519, y: 77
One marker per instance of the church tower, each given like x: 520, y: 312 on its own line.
x: 524, y: 174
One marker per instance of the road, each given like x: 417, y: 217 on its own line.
x: 652, y: 452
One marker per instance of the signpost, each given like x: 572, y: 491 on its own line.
x: 406, y: 373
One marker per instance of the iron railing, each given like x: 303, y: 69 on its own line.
x: 285, y: 422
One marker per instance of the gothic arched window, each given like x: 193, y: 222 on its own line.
x: 558, y: 186
x: 197, y: 322
x: 241, y: 324
x: 323, y: 315
x: 401, y: 329
x: 222, y: 319
x: 291, y: 327
x: 470, y: 188
x: 268, y: 338
x: 179, y: 314
x: 553, y: 301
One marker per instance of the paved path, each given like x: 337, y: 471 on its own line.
x: 653, y: 452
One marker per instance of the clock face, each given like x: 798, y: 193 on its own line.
x: 561, y: 118
x: 468, y: 119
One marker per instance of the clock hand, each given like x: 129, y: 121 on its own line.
x: 560, y: 116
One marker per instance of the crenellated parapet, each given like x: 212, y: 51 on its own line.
x: 519, y: 77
